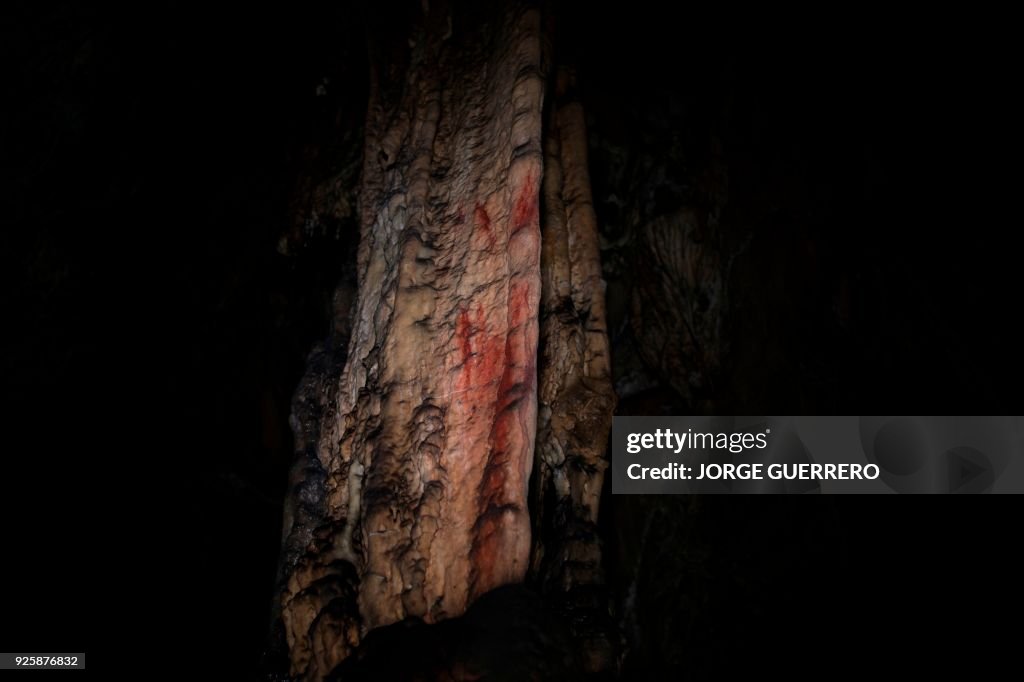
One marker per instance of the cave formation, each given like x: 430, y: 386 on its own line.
x: 410, y: 496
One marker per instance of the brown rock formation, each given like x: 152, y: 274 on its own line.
x: 409, y: 492
x: 576, y: 394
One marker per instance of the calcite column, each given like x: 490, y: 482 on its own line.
x: 409, y: 493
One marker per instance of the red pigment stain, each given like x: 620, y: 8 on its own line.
x: 506, y: 438
x: 480, y: 354
x: 519, y: 311
x: 484, y: 222
x: 518, y: 379
x: 501, y: 480
x: 520, y: 362
x: 526, y: 209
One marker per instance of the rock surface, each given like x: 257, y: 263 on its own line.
x: 409, y: 491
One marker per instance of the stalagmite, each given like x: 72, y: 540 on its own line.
x: 409, y: 493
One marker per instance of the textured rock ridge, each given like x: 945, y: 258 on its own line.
x: 576, y: 393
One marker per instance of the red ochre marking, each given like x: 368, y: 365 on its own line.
x: 526, y: 209
x: 498, y: 373
x: 508, y: 432
x: 518, y: 361
x: 483, y: 221
x: 480, y: 354
x: 518, y: 303
x: 498, y: 370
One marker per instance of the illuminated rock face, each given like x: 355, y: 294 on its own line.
x: 409, y: 494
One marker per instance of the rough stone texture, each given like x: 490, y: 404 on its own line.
x: 576, y: 394
x: 408, y: 496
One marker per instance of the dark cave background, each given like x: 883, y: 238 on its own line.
x: 157, y: 168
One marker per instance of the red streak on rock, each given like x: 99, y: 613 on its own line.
x: 480, y: 354
x: 462, y: 334
x: 496, y: 383
x: 501, y: 482
x: 519, y: 375
x: 519, y: 310
x: 526, y: 209
x: 484, y: 222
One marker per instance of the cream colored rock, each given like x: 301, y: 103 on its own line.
x: 409, y: 494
